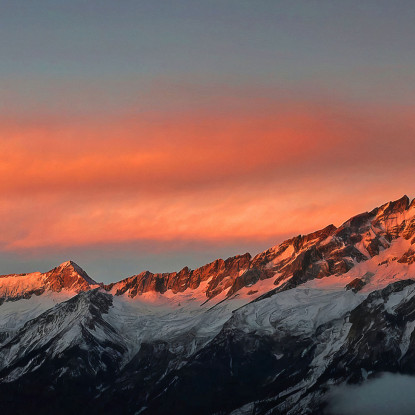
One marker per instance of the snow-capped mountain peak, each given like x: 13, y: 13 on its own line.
x: 67, y: 277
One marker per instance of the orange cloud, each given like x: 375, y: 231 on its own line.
x: 201, y: 175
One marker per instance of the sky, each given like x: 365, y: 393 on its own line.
x: 141, y: 135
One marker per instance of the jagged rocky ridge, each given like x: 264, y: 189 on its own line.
x: 268, y: 334
x: 320, y: 254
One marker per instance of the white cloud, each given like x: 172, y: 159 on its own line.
x: 388, y: 394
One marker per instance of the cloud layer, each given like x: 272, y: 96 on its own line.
x: 388, y: 394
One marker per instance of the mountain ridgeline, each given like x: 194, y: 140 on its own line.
x: 257, y: 335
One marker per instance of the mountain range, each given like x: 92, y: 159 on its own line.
x: 269, y: 334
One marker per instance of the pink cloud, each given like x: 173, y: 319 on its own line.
x: 200, y: 175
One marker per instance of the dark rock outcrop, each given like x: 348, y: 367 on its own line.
x: 355, y: 285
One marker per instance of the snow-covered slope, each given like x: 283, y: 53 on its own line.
x: 263, y: 334
x: 76, y: 323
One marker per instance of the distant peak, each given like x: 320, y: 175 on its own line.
x: 73, y: 268
x: 67, y: 264
x: 71, y: 264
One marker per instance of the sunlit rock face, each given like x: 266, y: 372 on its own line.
x: 221, y: 274
x: 330, y: 251
x: 67, y: 278
x: 247, y: 335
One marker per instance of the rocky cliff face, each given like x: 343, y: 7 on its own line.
x: 220, y: 275
x: 68, y: 276
x: 248, y: 335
